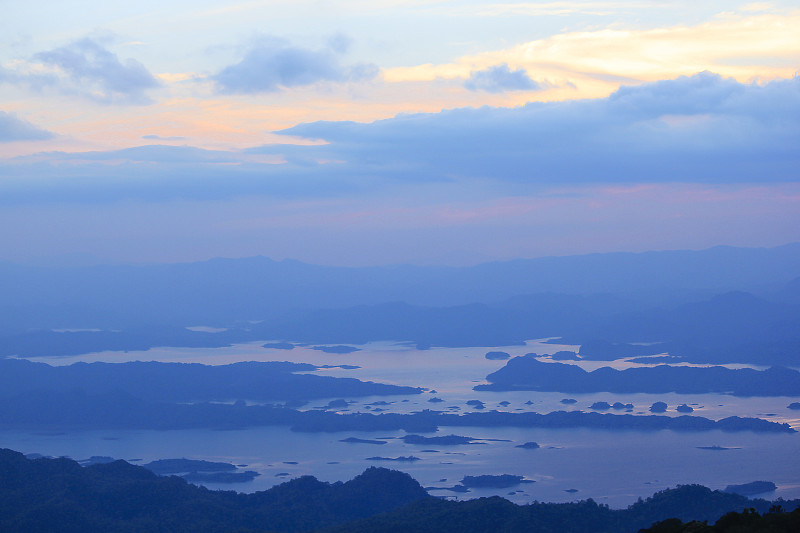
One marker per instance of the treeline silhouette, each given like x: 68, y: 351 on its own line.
x: 747, y: 521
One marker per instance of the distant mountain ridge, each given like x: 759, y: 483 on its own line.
x: 225, y: 291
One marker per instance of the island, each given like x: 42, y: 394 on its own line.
x: 497, y: 356
x: 402, y: 459
x: 164, y: 467
x: 340, y: 349
x: 658, y: 407
x: 476, y: 404
x: 501, y: 481
x: 186, y: 382
x: 528, y: 373
x: 752, y: 488
x: 279, y: 345
x: 356, y: 440
x: 75, y: 410
x: 446, y: 440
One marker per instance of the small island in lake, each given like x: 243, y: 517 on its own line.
x: 497, y: 356
x: 356, y: 440
x: 176, y: 466
x: 402, y: 459
x: 501, y: 481
x: 447, y: 440
x: 752, y: 488
x: 200, y: 471
x: 279, y: 345
x: 340, y: 349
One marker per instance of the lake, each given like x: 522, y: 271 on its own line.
x: 611, y: 467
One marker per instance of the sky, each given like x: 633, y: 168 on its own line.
x: 371, y: 133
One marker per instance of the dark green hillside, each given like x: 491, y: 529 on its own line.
x: 747, y: 521
x: 58, y: 495
x: 688, y: 503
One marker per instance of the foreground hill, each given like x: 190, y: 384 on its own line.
x: 58, y: 495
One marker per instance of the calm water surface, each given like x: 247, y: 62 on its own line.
x: 611, y: 467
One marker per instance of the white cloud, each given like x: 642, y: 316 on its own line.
x: 743, y: 46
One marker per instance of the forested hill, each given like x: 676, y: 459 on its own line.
x: 58, y: 495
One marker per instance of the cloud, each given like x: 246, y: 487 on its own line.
x: 87, y: 69
x: 745, y: 46
x: 273, y: 65
x: 340, y: 43
x: 160, y: 173
x: 500, y: 78
x: 153, y: 137
x: 702, y: 129
x: 16, y: 129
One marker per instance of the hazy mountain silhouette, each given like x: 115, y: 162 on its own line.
x: 225, y: 291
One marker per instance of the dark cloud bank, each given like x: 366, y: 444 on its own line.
x: 698, y: 129
x: 702, y: 128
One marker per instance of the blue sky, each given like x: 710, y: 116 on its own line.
x: 357, y: 133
